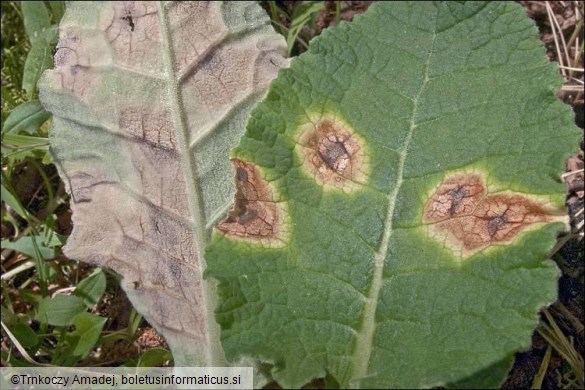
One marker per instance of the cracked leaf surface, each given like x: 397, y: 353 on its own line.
x: 364, y: 289
x: 257, y: 215
x: 332, y: 154
x: 147, y: 100
x: 463, y: 216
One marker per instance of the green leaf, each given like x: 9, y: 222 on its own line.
x: 8, y: 316
x: 57, y: 10
x: 92, y: 288
x: 13, y: 201
x: 60, y: 309
x: 148, y: 99
x: 397, y: 194
x: 17, y: 147
x: 25, y: 335
x: 88, y: 328
x: 488, y: 378
x: 36, y: 18
x: 27, y: 117
x: 26, y: 245
x: 39, y: 58
x: 154, y: 357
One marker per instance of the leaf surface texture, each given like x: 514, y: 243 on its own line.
x: 148, y: 98
x: 397, y: 193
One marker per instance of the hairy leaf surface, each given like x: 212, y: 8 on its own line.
x: 397, y: 193
x: 147, y: 99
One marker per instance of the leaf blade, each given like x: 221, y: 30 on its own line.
x: 36, y: 18
x: 59, y: 310
x: 365, y: 289
x: 92, y: 288
x: 88, y: 328
x: 173, y: 95
x: 28, y: 117
x: 39, y: 58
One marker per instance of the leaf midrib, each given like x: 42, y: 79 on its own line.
x: 365, y: 336
x: 214, y: 352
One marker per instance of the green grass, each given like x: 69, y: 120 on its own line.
x: 304, y: 15
x: 15, y: 47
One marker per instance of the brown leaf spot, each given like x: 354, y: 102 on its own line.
x: 333, y: 154
x: 256, y: 215
x: 456, y: 196
x: 463, y: 215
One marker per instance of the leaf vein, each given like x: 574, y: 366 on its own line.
x: 365, y: 337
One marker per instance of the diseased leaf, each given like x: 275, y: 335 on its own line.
x: 148, y: 98
x: 397, y: 194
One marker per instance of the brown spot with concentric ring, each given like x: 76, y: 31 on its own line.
x: 256, y: 215
x: 333, y: 154
x: 463, y: 215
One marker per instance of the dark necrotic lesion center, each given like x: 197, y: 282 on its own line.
x: 333, y: 153
x: 248, y: 216
x: 495, y: 223
x: 241, y: 174
x: 241, y: 213
x: 128, y: 19
x: 457, y: 195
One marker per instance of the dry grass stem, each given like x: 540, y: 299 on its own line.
x: 563, y: 345
x: 553, y: 25
x: 21, y: 349
x: 567, y: 174
x: 539, y: 377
